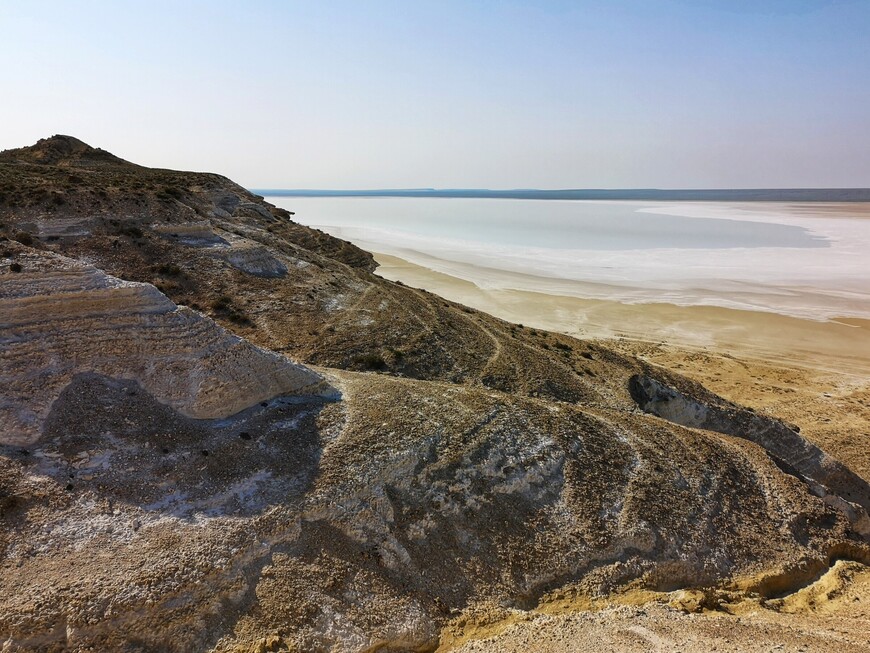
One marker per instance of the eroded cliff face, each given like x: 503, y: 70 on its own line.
x: 168, y: 485
x: 60, y: 318
x: 825, y: 476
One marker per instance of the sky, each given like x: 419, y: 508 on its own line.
x: 474, y: 94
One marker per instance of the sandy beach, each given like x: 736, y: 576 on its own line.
x: 784, y: 330
x: 841, y: 345
x: 813, y: 373
x: 505, y: 327
x: 800, y: 260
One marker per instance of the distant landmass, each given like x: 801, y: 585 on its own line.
x: 643, y: 194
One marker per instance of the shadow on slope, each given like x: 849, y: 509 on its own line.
x: 112, y: 438
x: 792, y: 453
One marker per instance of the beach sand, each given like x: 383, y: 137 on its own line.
x: 840, y: 345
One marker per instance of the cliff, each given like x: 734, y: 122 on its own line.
x: 61, y: 319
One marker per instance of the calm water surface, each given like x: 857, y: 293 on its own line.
x: 549, y: 224
x: 810, y: 261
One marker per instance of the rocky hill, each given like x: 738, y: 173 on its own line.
x: 221, y: 430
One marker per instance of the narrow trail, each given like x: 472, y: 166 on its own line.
x: 497, y: 348
x: 355, y: 307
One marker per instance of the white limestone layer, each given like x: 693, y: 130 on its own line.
x: 60, y: 318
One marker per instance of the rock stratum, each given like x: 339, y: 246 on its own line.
x: 61, y: 319
x: 221, y: 431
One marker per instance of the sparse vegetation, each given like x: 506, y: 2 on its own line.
x: 239, y: 318
x: 132, y: 231
x: 445, y: 454
x: 169, y: 193
x: 223, y: 307
x: 168, y: 269
x: 370, y: 361
x: 24, y: 238
x: 398, y: 354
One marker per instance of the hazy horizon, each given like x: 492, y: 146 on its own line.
x: 500, y: 95
x: 590, y: 194
x: 527, y: 189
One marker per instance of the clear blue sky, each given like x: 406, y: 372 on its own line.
x: 645, y: 93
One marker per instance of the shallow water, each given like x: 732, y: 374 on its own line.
x: 547, y: 224
x: 805, y: 260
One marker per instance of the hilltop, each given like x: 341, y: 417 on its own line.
x: 221, y: 430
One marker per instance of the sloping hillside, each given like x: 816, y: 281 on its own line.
x: 361, y: 464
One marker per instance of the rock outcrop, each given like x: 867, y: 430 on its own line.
x: 60, y: 318
x: 366, y: 523
x: 784, y: 444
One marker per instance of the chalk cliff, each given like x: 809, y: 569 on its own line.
x: 60, y: 318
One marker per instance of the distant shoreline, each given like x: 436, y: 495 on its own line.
x: 783, y: 277
x: 643, y: 194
